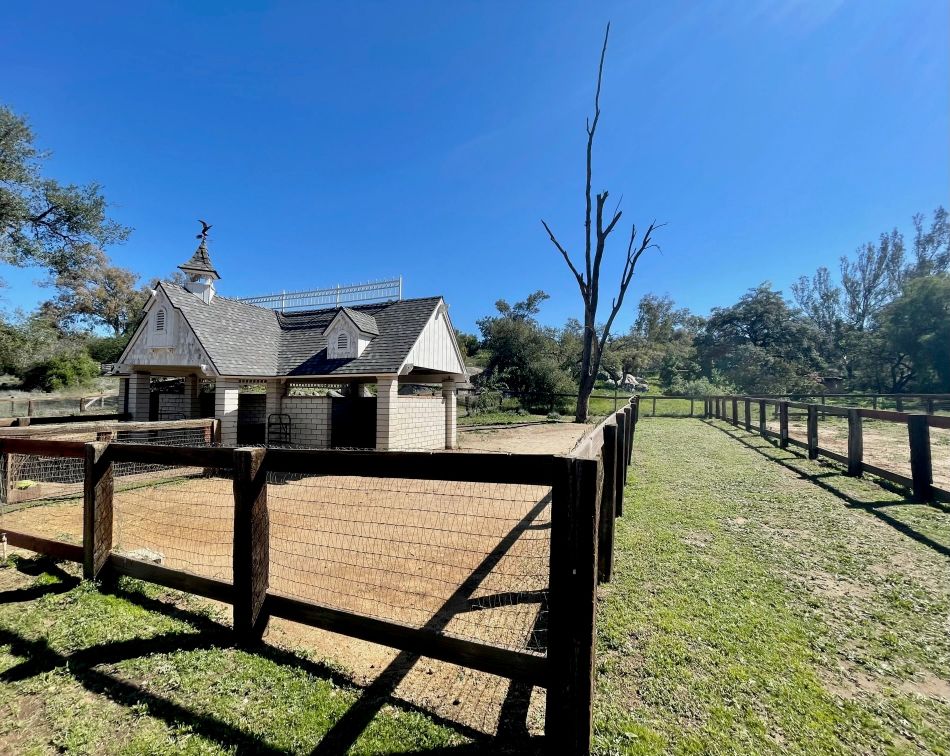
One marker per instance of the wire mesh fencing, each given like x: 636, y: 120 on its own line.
x: 465, y: 559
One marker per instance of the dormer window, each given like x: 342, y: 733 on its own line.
x: 343, y: 342
x: 160, y: 320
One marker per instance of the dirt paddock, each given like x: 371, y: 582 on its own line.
x: 467, y: 559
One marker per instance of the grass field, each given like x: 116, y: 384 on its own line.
x: 765, y: 604
x: 761, y: 604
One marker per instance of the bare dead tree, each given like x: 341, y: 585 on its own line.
x: 588, y: 282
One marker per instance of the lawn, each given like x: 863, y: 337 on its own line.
x: 763, y: 603
x: 146, y: 671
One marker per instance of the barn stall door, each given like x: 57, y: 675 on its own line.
x: 353, y: 422
x: 252, y: 423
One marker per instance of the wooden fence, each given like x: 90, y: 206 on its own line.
x: 918, y: 434
x: 586, y: 497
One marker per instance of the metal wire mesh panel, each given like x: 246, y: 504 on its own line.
x: 42, y: 496
x: 175, y: 516
x: 466, y: 559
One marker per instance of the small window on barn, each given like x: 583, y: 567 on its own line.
x: 343, y: 341
x: 160, y: 320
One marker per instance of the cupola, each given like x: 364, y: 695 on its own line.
x: 201, y: 273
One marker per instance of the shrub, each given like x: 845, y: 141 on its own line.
x: 554, y: 417
x: 700, y: 387
x: 61, y: 372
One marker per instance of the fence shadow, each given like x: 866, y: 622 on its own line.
x: 84, y: 666
x: 769, y: 449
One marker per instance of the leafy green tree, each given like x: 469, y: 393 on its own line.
x: 931, y: 246
x: 916, y: 329
x: 98, y: 294
x: 522, y: 356
x: 42, y: 221
x: 761, y: 345
x: 872, y: 278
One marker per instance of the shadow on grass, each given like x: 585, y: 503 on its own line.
x: 86, y: 668
x: 825, y: 480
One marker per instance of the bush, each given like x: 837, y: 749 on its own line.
x: 484, y: 401
x: 61, y: 372
x: 554, y: 417
x: 700, y: 387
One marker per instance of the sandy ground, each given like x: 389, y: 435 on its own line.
x: 547, y: 438
x: 470, y: 560
x: 467, y: 559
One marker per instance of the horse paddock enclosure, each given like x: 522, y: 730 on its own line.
x: 486, y: 561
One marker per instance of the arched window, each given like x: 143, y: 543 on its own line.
x: 160, y: 320
x: 342, y: 341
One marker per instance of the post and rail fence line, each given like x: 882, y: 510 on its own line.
x: 919, y: 426
x: 586, y: 495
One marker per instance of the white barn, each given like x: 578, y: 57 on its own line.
x: 369, y: 350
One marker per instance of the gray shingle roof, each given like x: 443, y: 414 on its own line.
x: 363, y: 320
x: 200, y: 262
x: 246, y: 340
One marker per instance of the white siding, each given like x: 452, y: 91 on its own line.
x: 436, y: 348
x: 175, y: 346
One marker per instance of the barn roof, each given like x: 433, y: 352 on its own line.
x: 245, y: 340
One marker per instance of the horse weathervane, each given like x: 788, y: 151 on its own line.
x: 205, y: 227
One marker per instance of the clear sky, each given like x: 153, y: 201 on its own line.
x: 342, y: 142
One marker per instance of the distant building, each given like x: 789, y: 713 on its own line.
x: 369, y: 350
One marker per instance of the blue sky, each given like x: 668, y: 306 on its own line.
x: 342, y: 142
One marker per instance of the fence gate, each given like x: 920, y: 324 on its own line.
x: 353, y: 422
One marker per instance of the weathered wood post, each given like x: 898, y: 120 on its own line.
x: 621, y: 455
x: 762, y: 420
x: 900, y: 403
x: 748, y: 415
x: 98, y: 485
x: 812, y: 431
x: 735, y: 411
x: 654, y: 406
x: 855, y: 442
x: 251, y: 537
x: 783, y: 425
x: 572, y: 605
x: 874, y: 401
x: 634, y: 419
x: 921, y: 463
x: 608, y: 505
x: 930, y: 406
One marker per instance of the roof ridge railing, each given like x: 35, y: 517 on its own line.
x: 335, y: 296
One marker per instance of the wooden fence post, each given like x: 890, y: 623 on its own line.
x: 572, y: 606
x: 783, y: 425
x: 654, y: 406
x: 855, y: 442
x: 735, y: 411
x: 900, y: 403
x: 251, y: 536
x: 812, y: 431
x: 748, y: 415
x: 608, y: 506
x: 621, y: 455
x: 97, y: 509
x: 634, y: 419
x: 921, y: 464
x: 762, y: 420
x: 930, y: 406
x: 691, y: 406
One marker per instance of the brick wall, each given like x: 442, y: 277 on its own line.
x: 418, y: 422
x: 309, y: 420
x: 171, y: 404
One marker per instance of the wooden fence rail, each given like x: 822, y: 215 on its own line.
x: 920, y: 482
x: 586, y: 497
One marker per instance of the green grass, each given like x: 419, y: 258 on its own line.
x: 89, y: 673
x: 754, y: 611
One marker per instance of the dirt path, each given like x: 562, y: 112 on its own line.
x: 546, y: 438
